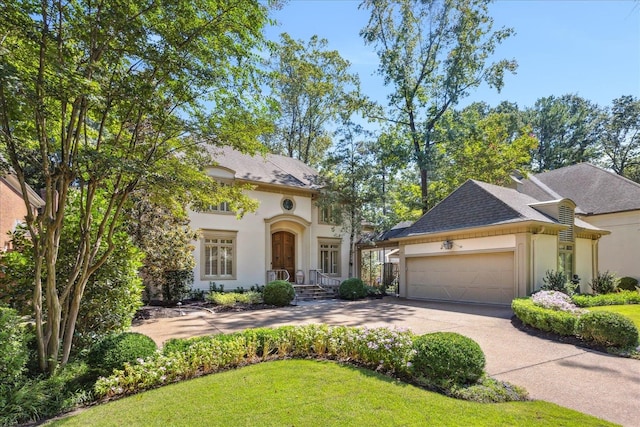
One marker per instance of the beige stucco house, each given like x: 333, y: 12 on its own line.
x: 289, y: 236
x: 603, y: 199
x: 489, y: 244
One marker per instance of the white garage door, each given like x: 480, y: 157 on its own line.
x: 486, y: 278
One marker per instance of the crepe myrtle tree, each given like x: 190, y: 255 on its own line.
x: 107, y: 97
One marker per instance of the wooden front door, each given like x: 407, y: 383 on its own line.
x: 283, y: 250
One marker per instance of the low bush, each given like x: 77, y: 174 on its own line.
x: 116, y: 350
x: 14, y: 354
x: 628, y: 284
x: 559, y: 322
x: 607, y: 329
x: 489, y: 390
x: 556, y: 281
x: 618, y: 298
x: 604, y: 283
x: 447, y: 359
x: 279, y: 293
x: 352, y: 289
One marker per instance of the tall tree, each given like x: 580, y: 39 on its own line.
x: 482, y: 146
x: 311, y: 85
x: 107, y: 97
x: 349, y: 172
x: 433, y: 52
x: 621, y: 139
x: 568, y: 129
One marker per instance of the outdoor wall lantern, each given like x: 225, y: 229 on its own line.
x: 447, y: 244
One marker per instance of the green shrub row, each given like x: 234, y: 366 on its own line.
x: 229, y: 299
x: 611, y: 330
x: 116, y: 350
x: 617, y: 298
x: 441, y: 361
x: 559, y: 322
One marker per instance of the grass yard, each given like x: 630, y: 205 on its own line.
x: 632, y: 311
x: 311, y: 393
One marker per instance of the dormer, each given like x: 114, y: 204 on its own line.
x: 563, y: 211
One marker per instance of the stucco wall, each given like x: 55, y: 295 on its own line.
x: 619, y: 252
x: 253, y: 244
x: 466, y: 245
x: 584, y: 262
x: 545, y: 257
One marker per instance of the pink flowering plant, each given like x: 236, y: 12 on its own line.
x: 555, y: 300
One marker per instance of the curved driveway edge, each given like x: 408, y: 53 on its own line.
x: 595, y: 383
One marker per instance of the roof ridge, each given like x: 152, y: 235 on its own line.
x: 499, y: 199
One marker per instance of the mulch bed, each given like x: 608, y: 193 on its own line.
x: 151, y: 312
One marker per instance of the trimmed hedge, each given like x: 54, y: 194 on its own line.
x: 628, y: 284
x: 447, y: 359
x: 352, y: 289
x: 116, y: 350
x: 559, y: 322
x: 618, y: 298
x: 607, y: 329
x: 279, y: 293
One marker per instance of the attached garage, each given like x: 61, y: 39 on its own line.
x: 480, y: 278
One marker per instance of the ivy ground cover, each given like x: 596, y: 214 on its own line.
x: 312, y: 393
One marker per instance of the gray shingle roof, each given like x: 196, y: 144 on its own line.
x: 477, y: 204
x: 594, y: 190
x: 270, y: 169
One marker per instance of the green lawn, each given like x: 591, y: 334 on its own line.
x: 311, y: 393
x: 632, y: 311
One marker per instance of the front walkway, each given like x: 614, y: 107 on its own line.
x: 587, y: 381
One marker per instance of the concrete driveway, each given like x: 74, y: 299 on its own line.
x: 605, y: 386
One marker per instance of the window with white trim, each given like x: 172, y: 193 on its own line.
x: 218, y: 258
x: 329, y: 250
x: 326, y: 215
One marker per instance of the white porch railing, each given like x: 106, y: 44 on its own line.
x: 317, y: 277
x: 277, y: 275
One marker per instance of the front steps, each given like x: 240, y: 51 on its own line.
x: 314, y: 292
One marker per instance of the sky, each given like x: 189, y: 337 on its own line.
x: 589, y: 48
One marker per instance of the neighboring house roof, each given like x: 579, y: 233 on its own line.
x: 12, y: 181
x: 594, y: 190
x: 478, y: 204
x: 269, y: 169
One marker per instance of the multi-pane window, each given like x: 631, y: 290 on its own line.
x: 326, y: 215
x: 222, y: 207
x: 330, y: 257
x: 218, y: 256
x: 565, y: 259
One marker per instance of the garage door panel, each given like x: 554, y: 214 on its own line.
x: 485, y: 278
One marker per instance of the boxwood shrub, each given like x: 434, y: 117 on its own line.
x: 447, y: 359
x: 559, y: 322
x: 279, y: 293
x: 352, y: 289
x: 116, y: 350
x: 617, y: 298
x: 607, y: 329
x: 628, y: 284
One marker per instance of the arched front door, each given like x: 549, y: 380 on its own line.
x: 283, y: 253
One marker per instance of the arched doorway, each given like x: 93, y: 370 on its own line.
x: 283, y: 252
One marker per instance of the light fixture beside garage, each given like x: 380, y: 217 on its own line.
x: 447, y: 244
